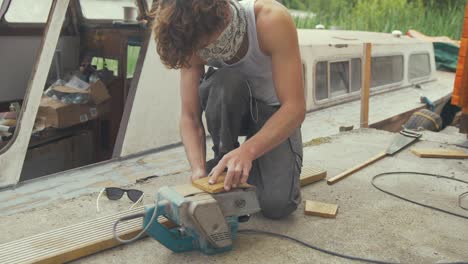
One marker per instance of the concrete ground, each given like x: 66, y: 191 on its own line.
x: 369, y: 223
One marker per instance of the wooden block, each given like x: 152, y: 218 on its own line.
x: 311, y: 175
x: 218, y: 187
x: 166, y: 222
x: 187, y: 190
x: 440, y: 153
x: 320, y: 209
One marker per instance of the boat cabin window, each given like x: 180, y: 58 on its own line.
x: 28, y: 11
x: 92, y: 9
x: 321, y: 80
x: 339, y: 78
x: 386, y: 70
x: 333, y: 79
x: 103, y: 63
x: 419, y: 66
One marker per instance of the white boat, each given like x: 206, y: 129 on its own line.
x: 145, y: 104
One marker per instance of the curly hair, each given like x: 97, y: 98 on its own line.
x: 181, y: 25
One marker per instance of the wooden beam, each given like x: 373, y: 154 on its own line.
x: 440, y: 153
x: 346, y: 173
x: 366, y: 79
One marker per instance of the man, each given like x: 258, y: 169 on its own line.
x: 257, y: 92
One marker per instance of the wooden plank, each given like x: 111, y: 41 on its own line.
x: 320, y: 209
x: 86, y: 238
x: 71, y: 242
x: 365, y: 91
x: 218, y: 187
x: 311, y: 175
x: 346, y: 173
x: 440, y: 153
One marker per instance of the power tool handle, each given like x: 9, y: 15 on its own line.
x: 130, y: 217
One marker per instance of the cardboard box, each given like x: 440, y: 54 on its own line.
x: 97, y: 91
x: 59, y: 115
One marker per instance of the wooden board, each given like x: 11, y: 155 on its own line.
x: 365, y: 91
x: 320, y: 209
x: 348, y: 172
x: 71, y: 242
x: 87, y: 238
x: 440, y: 153
x: 311, y: 175
x: 218, y: 187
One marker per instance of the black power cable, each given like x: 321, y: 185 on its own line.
x: 337, y: 254
x: 460, y: 197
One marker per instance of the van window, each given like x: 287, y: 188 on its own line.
x: 28, y: 11
x: 356, y: 75
x: 419, y: 66
x: 321, y: 80
x: 105, y: 9
x: 386, y: 70
x: 333, y: 79
x: 339, y: 78
x: 304, y: 84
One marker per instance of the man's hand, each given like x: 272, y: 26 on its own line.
x: 198, y: 174
x: 238, y: 163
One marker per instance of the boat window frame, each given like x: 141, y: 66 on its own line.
x: 329, y: 60
x: 423, y: 78
x: 394, y: 84
x: 143, y: 11
x: 4, y: 5
x: 20, y: 24
x: 304, y: 78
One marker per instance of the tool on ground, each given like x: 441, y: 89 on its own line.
x: 115, y: 193
x: 203, y: 221
x: 400, y: 141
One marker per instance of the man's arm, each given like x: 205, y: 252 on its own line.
x: 278, y: 39
x: 191, y: 125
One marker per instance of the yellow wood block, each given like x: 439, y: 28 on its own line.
x: 218, y: 187
x: 320, y: 209
x: 440, y: 153
x: 311, y: 175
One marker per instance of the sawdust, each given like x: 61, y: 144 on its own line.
x: 317, y: 141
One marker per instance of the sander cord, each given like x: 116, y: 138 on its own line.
x: 341, y: 255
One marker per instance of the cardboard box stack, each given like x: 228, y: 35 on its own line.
x: 59, y: 114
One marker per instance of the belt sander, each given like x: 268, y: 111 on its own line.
x: 185, y: 218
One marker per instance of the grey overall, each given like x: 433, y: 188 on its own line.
x: 231, y: 111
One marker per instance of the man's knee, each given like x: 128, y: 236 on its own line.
x: 277, y: 208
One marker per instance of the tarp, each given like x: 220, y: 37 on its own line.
x: 446, y: 56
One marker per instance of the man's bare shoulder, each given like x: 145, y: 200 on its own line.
x: 270, y: 12
x: 274, y: 24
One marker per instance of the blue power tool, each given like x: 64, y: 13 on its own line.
x: 186, y: 218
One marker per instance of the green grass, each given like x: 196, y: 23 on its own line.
x: 113, y: 65
x: 431, y: 17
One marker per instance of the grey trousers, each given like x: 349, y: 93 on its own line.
x: 231, y: 111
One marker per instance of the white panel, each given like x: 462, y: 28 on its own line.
x: 21, y: 53
x: 12, y: 156
x: 155, y: 111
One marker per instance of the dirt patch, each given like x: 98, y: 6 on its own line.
x: 317, y: 141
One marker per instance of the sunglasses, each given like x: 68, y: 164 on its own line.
x: 114, y: 193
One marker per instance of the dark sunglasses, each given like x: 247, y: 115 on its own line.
x: 114, y: 193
